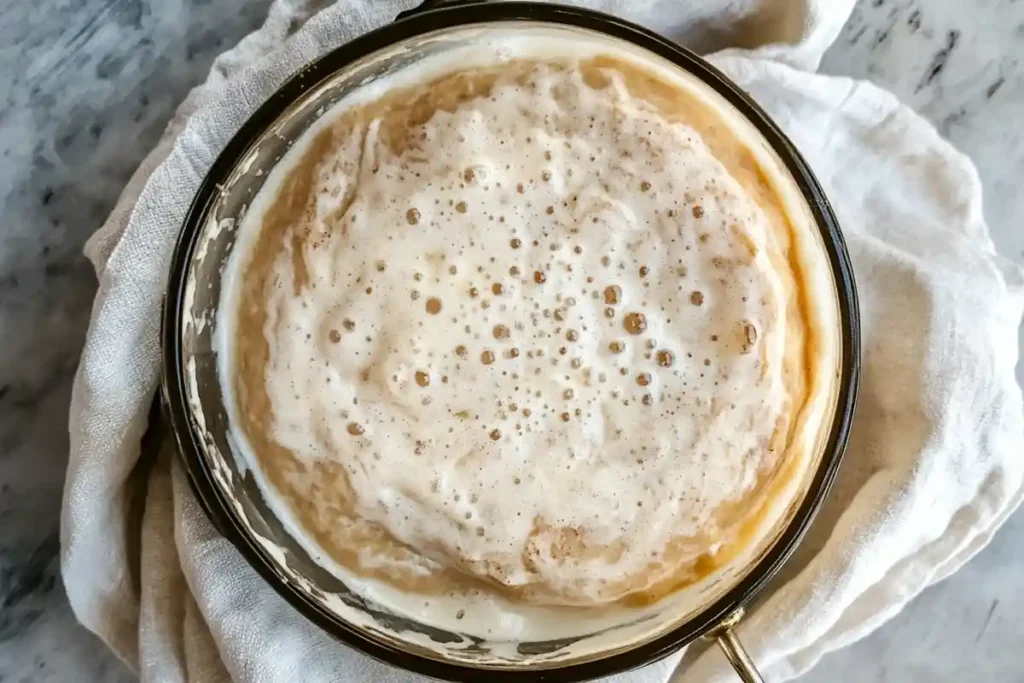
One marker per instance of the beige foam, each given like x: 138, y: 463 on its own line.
x: 530, y: 325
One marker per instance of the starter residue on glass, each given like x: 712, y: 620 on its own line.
x: 528, y: 339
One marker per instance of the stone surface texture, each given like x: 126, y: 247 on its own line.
x: 87, y: 87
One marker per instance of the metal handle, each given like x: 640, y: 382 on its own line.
x: 738, y: 657
x: 724, y: 635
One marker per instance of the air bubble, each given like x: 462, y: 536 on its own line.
x: 749, y: 336
x: 634, y: 323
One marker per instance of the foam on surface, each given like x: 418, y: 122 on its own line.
x: 529, y: 330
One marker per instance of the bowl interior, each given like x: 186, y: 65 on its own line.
x: 229, y: 488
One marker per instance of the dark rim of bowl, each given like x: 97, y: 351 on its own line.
x: 308, y: 77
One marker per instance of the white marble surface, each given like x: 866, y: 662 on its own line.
x: 960, y: 65
x: 87, y: 86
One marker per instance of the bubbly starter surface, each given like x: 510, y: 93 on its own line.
x: 521, y: 330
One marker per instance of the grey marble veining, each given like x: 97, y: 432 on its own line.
x: 960, y: 65
x: 87, y: 87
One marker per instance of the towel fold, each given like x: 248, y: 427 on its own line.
x: 933, y: 466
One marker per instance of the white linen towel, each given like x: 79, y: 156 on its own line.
x: 935, y: 461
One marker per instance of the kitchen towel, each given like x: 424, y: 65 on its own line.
x: 934, y: 464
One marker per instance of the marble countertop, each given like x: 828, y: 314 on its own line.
x: 88, y: 86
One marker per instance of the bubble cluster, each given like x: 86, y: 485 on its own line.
x: 554, y: 297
